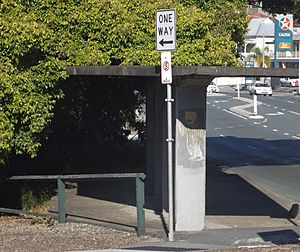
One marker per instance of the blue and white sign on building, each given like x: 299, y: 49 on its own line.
x: 284, y: 33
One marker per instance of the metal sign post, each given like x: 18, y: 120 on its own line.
x: 166, y: 42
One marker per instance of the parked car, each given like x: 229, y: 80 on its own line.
x: 212, y: 88
x: 287, y: 82
x: 260, y: 88
x: 294, y: 82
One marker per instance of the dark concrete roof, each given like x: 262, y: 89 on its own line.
x: 181, y: 71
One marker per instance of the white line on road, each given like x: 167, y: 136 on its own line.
x: 222, y: 135
x: 290, y: 102
x: 293, y: 112
x: 222, y: 101
x: 275, y: 130
x: 275, y: 107
x: 254, y: 148
x: 227, y: 111
x: 265, y: 126
x: 275, y: 114
x: 287, y: 134
x: 230, y: 126
x: 218, y: 108
x: 218, y: 128
x: 296, y: 137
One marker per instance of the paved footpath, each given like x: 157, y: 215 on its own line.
x: 108, y: 204
x: 112, y: 203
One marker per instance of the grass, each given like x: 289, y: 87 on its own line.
x: 35, y: 197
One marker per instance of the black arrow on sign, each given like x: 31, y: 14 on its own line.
x: 162, y: 42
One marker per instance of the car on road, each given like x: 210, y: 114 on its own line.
x: 287, y: 82
x: 260, y: 88
x: 212, y: 88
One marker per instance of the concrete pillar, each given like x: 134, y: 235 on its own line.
x: 190, y: 154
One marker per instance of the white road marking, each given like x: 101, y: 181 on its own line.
x: 222, y: 101
x: 207, y: 103
x: 296, y: 137
x: 290, y: 102
x: 227, y: 111
x: 241, y: 125
x: 275, y: 107
x: 254, y: 148
x: 230, y: 127
x: 275, y: 114
x: 275, y: 130
x: 218, y: 128
x: 222, y: 135
x: 295, y: 113
x: 218, y: 108
x: 265, y: 126
x: 213, y: 105
x: 283, y: 109
x: 287, y: 134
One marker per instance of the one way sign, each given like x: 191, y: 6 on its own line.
x: 165, y: 30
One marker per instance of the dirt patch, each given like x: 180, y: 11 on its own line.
x: 45, y: 234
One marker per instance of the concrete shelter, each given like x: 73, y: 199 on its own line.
x: 189, y: 122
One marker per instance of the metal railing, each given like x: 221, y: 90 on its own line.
x: 61, y: 179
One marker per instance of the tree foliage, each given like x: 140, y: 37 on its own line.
x: 262, y: 60
x: 279, y: 6
x: 40, y: 38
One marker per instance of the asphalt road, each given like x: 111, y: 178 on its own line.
x: 264, y: 153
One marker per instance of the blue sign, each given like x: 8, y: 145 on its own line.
x: 249, y: 63
x: 284, y: 33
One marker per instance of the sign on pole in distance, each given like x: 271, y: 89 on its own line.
x: 284, y: 33
x: 166, y: 68
x: 165, y: 30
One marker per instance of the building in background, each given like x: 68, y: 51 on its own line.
x: 261, y: 35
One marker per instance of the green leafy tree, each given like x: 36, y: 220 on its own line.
x: 40, y: 38
x: 261, y: 59
x: 279, y: 6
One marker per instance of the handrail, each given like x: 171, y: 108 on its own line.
x: 139, y: 181
x: 70, y: 177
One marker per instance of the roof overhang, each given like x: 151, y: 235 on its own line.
x: 182, y: 71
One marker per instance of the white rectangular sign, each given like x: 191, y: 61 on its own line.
x: 166, y: 68
x: 165, y: 30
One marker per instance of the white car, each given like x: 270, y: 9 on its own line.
x: 212, y: 88
x: 260, y: 88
